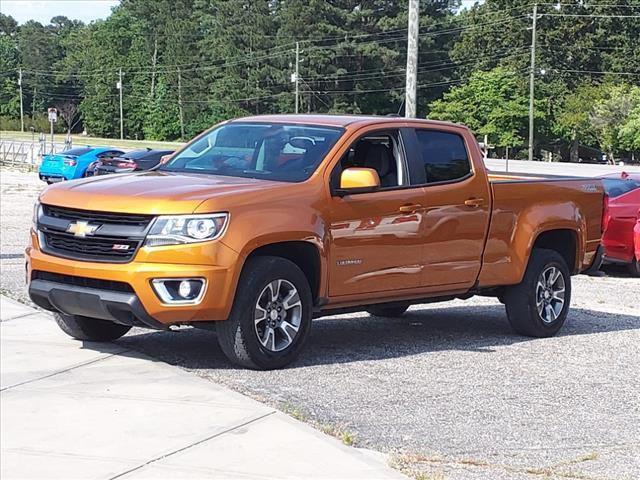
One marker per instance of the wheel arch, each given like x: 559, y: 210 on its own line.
x: 305, y: 254
x: 561, y: 240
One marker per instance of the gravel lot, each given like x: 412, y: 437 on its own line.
x: 448, y: 389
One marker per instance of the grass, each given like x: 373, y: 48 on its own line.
x: 414, y: 465
x: 339, y: 432
x: 88, y: 140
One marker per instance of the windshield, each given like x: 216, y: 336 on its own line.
x: 617, y: 187
x: 271, y: 151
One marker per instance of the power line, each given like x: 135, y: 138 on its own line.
x: 432, y: 68
x: 586, y: 47
x: 595, y: 72
x: 586, y: 15
x: 596, y: 5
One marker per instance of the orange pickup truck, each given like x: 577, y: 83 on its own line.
x: 263, y: 223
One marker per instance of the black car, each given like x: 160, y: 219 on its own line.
x: 131, y: 161
x: 93, y: 166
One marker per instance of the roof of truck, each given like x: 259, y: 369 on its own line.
x: 338, y: 120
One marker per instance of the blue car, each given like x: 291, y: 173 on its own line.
x: 73, y: 163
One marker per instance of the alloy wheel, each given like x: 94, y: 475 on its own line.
x: 550, y: 291
x: 278, y: 313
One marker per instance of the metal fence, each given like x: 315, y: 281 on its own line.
x: 25, y: 153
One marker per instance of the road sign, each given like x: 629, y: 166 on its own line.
x: 53, y: 115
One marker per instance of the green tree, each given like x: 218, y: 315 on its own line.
x: 573, y: 119
x: 629, y: 133
x: 162, y: 116
x: 491, y: 103
x: 105, y: 47
x: 611, y: 115
x: 9, y: 62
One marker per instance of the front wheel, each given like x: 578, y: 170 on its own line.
x: 271, y: 315
x: 538, y: 306
x: 90, y: 329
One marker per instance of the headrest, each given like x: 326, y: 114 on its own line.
x: 378, y: 157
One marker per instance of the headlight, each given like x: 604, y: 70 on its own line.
x: 174, y: 230
x: 36, y: 213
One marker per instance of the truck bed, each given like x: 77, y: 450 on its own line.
x: 525, y: 206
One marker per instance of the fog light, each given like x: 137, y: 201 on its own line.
x: 179, y: 290
x: 185, y: 289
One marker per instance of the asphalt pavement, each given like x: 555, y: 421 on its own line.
x: 448, y: 391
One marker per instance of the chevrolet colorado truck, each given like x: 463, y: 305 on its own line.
x: 260, y: 224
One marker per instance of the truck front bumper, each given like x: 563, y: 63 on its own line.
x: 124, y: 292
x: 118, y: 307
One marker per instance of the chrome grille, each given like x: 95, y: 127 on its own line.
x: 116, y: 238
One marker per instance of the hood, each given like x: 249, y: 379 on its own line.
x: 157, y: 193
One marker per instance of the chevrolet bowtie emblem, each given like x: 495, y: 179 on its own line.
x: 81, y: 229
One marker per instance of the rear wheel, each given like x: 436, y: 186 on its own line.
x: 634, y: 267
x: 90, y: 329
x: 271, y: 315
x: 538, y: 306
x: 387, y: 310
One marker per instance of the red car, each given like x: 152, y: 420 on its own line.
x: 620, y: 215
x: 636, y: 240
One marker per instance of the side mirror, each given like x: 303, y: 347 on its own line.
x: 358, y: 180
x: 164, y: 159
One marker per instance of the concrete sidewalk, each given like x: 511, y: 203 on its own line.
x: 74, y: 410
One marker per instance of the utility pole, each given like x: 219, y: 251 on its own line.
x: 180, y: 110
x: 154, y: 61
x: 121, y: 115
x: 532, y: 76
x: 21, y: 105
x: 297, y: 76
x: 412, y: 60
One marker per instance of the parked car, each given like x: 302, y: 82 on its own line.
x: 636, y: 242
x: 131, y: 161
x: 262, y: 223
x: 93, y: 166
x: 622, y: 202
x: 71, y: 164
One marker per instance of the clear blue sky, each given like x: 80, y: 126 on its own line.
x: 86, y: 10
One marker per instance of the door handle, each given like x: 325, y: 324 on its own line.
x: 412, y: 208
x: 474, y: 202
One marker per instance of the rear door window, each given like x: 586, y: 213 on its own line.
x: 444, y: 156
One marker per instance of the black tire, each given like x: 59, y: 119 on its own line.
x: 521, y: 299
x: 390, y: 311
x: 634, y: 267
x: 90, y: 329
x: 237, y: 335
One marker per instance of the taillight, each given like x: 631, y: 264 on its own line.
x: 71, y: 162
x: 605, y: 213
x: 126, y: 164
